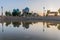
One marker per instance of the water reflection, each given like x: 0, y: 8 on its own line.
x: 27, y: 24
x: 43, y: 26
x: 58, y: 27
x: 8, y: 23
x: 48, y: 24
x: 17, y: 24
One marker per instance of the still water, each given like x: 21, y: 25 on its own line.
x: 30, y: 31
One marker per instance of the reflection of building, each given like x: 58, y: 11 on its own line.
x: 2, y: 25
x: 35, y: 14
x: 51, y: 24
x: 43, y: 26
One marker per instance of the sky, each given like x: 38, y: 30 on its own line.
x: 34, y: 5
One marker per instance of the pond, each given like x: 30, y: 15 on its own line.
x: 29, y: 31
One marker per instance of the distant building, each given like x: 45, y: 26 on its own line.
x: 26, y: 10
x: 52, y: 12
x: 35, y: 14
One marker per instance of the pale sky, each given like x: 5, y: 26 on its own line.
x: 34, y: 5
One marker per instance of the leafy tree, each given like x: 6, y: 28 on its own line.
x: 59, y: 10
x: 48, y: 11
x: 16, y: 12
x: 8, y: 13
x: 29, y: 14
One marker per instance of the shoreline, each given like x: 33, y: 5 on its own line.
x: 30, y: 19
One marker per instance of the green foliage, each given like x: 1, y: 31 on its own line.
x: 7, y: 13
x: 59, y: 10
x: 29, y: 14
x: 48, y: 11
x: 16, y: 12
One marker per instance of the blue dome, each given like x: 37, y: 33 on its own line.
x: 26, y: 9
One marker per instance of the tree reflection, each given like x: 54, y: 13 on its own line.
x: 26, y: 24
x: 58, y: 27
x: 16, y: 24
x: 47, y: 25
x: 8, y: 23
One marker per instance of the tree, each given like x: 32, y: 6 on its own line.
x: 59, y: 10
x: 29, y: 14
x: 8, y: 13
x: 16, y: 12
x: 48, y: 11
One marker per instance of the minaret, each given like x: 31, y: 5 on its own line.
x: 2, y: 10
x: 44, y: 11
x: 2, y: 18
